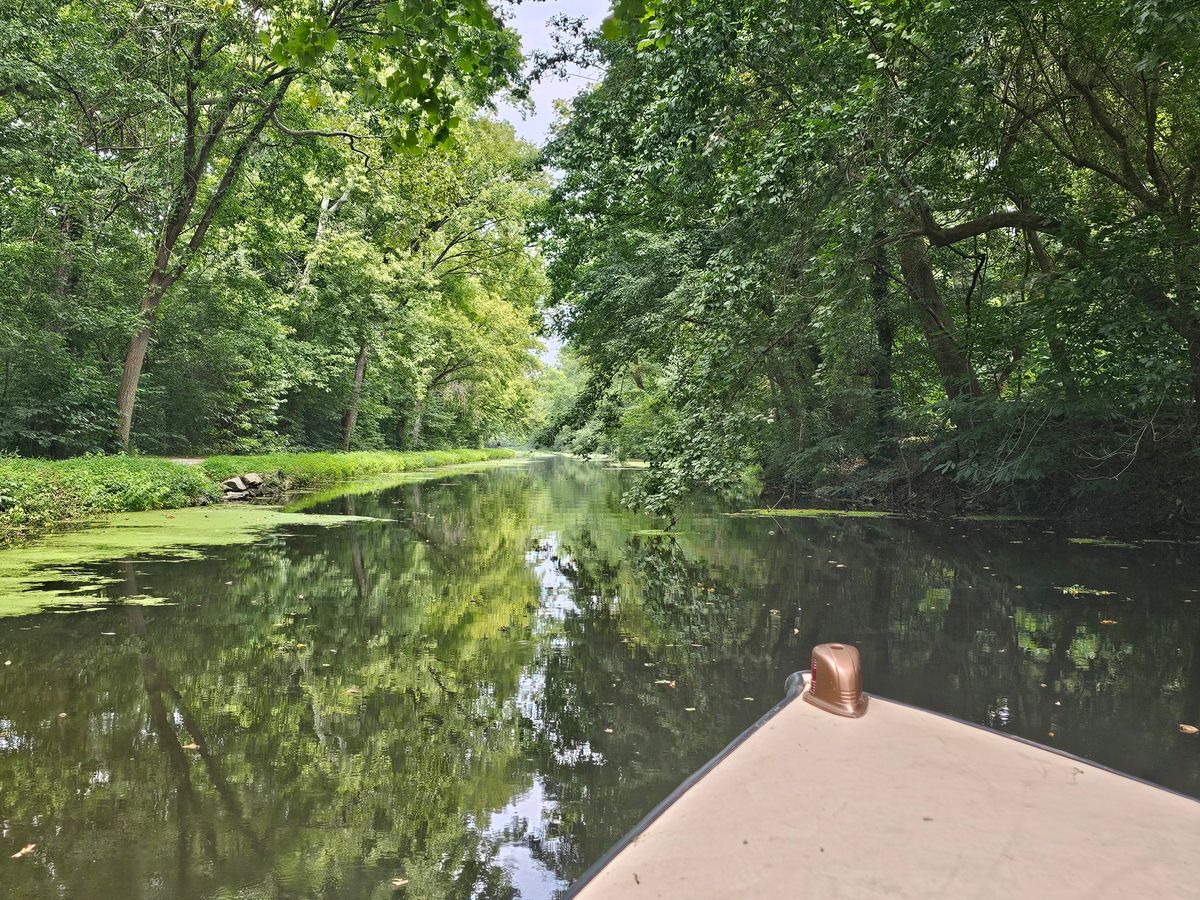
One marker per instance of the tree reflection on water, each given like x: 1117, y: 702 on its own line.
x: 479, y: 696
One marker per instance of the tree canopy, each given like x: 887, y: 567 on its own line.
x: 853, y: 243
x: 227, y: 227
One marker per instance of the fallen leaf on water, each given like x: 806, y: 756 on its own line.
x: 1108, y: 621
x: 24, y: 851
x: 1189, y: 729
x: 669, y: 683
x: 608, y: 731
x: 747, y: 698
x: 192, y: 746
x: 352, y: 690
x: 399, y: 882
x: 689, y: 709
x: 62, y: 715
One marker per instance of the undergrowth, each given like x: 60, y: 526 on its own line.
x: 37, y: 495
x: 305, y: 469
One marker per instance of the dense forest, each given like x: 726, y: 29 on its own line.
x: 900, y: 251
x: 903, y: 250
x: 229, y: 228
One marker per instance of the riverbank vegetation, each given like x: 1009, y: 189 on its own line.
x: 906, y: 252
x: 913, y: 252
x: 36, y: 495
x: 226, y: 231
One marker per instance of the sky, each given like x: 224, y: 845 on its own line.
x: 531, y: 21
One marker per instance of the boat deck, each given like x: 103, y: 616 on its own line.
x: 905, y: 803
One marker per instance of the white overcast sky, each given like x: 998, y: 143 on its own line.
x: 531, y: 21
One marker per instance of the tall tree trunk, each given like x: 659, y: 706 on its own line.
x: 1187, y: 300
x: 135, y: 356
x: 1192, y: 335
x: 1060, y: 356
x: 955, y: 370
x: 351, y: 415
x: 167, y: 269
x: 885, y: 336
x: 328, y: 208
x: 791, y: 397
x: 418, y: 422
x: 66, y: 274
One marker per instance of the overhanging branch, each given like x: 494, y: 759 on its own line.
x: 349, y: 136
x: 944, y: 237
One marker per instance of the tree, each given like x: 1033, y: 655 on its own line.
x: 187, y: 94
x: 778, y: 203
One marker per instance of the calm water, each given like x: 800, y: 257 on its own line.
x: 483, y: 692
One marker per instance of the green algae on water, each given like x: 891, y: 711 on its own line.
x: 1102, y: 542
x: 51, y: 573
x: 788, y: 512
x: 1000, y: 518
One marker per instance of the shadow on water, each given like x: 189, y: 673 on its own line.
x: 482, y: 692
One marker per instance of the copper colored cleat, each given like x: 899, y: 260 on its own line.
x: 836, y: 681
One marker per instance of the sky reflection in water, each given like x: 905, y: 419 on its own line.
x: 482, y: 693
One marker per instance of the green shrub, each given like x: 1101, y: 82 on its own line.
x: 38, y: 494
x: 303, y: 469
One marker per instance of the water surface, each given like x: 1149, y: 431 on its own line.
x: 480, y: 683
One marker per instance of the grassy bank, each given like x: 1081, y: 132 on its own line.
x: 37, y: 495
x: 296, y: 470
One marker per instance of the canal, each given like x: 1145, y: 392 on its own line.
x: 470, y: 685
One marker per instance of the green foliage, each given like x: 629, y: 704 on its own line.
x: 36, y: 495
x: 260, y: 197
x: 305, y: 469
x: 865, y: 244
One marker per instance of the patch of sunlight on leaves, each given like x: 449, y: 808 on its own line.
x: 937, y: 599
x: 1083, y: 648
x: 49, y: 573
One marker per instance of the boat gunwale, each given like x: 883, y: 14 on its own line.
x: 793, y: 688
